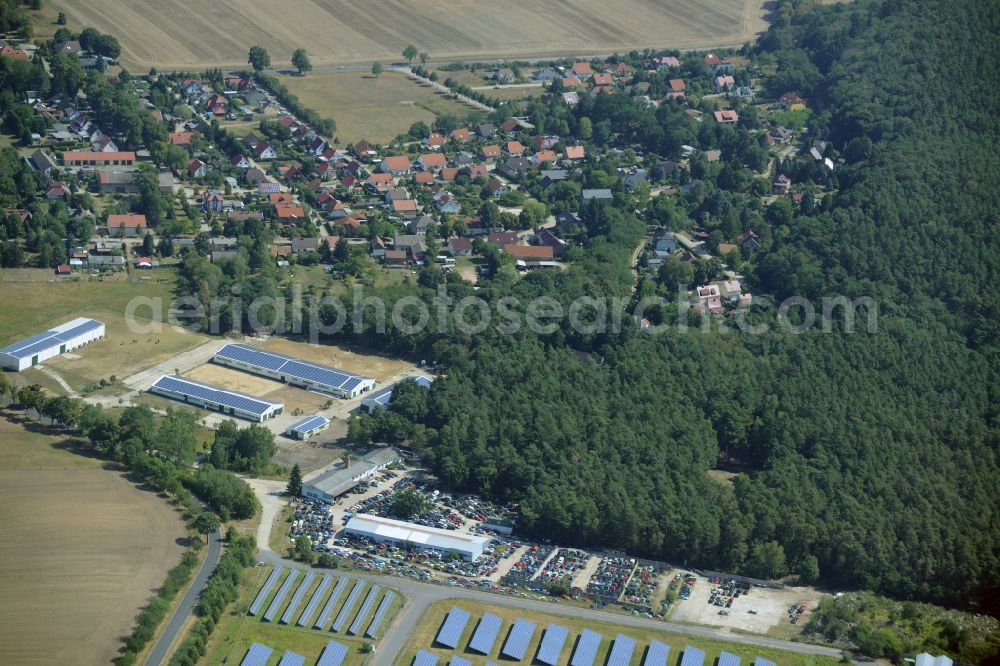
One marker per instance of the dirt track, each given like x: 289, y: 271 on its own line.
x: 173, y: 34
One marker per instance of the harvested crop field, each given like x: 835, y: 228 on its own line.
x: 83, y: 550
x: 379, y: 368
x: 176, y: 34
x: 366, y: 107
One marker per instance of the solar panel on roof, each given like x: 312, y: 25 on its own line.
x: 213, y: 394
x: 657, y: 654
x: 552, y: 644
x: 452, y: 628
x: 78, y: 330
x: 297, y: 597
x: 314, y: 601
x: 692, y: 656
x: 309, y: 423
x: 257, y: 655
x: 728, y: 659
x: 486, y: 633
x: 346, y: 610
x: 51, y: 338
x: 621, y: 653
x: 383, y: 608
x: 280, y: 596
x: 424, y: 658
x: 459, y: 661
x: 265, y: 590
x: 517, y: 641
x: 292, y: 659
x: 760, y: 661
x: 324, y: 617
x: 333, y: 654
x: 291, y: 367
x: 363, y: 613
x: 586, y: 648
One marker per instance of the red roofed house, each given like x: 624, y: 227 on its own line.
x: 676, y: 85
x: 431, y: 161
x: 460, y: 247
x: 180, y: 138
x: 529, y: 252
x: 434, y: 141
x: 502, y: 238
x: 405, y: 207
x: 423, y: 178
x: 582, y: 69
x: 380, y: 182
x: 461, y: 135
x: 603, y: 80
x: 514, y: 148
x: 128, y: 225
x: 397, y: 165
x: 278, y: 198
x: 63, y: 269
x: 571, y: 82
x: 197, y: 168
x: 575, y: 152
x: 489, y: 152
x: 10, y: 52
x: 727, y: 117
x: 289, y: 213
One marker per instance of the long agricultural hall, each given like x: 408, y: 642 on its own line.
x: 216, y: 398
x: 43, y: 346
x: 294, y: 371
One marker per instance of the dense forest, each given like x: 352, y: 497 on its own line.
x: 863, y: 460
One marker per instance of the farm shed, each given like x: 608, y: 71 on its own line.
x: 307, y: 427
x: 59, y: 340
x: 216, y: 398
x: 469, y: 546
x: 381, y: 399
x: 294, y: 371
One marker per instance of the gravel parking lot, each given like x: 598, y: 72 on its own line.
x: 771, y: 608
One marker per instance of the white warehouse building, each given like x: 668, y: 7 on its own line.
x: 469, y: 546
x: 59, y: 340
x: 294, y: 371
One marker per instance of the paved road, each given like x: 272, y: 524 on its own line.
x: 159, y: 653
x: 419, y: 596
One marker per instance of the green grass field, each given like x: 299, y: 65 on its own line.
x: 236, y: 631
x: 423, y: 638
x: 365, y: 107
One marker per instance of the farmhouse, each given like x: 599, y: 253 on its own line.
x: 127, y: 225
x: 381, y: 399
x: 93, y: 158
x: 215, y: 398
x: 307, y: 427
x: 310, y: 376
x: 468, y: 546
x: 59, y: 340
x: 332, y: 482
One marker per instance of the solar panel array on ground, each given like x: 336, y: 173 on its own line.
x: 324, y: 617
x: 486, y: 633
x: 346, y: 610
x: 314, y: 601
x: 452, y: 628
x: 459, y: 661
x: 297, y: 598
x: 184, y: 386
x: 383, y: 608
x: 257, y: 655
x: 333, y: 654
x: 760, y: 661
x: 51, y: 338
x: 621, y: 653
x: 727, y: 659
x: 552, y: 644
x: 292, y: 659
x: 355, y: 627
x: 272, y: 610
x: 517, y: 641
x: 657, y: 654
x: 265, y: 590
x: 586, y: 648
x: 692, y: 656
x: 424, y: 658
x: 291, y: 367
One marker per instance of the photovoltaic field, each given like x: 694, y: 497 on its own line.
x: 177, y: 34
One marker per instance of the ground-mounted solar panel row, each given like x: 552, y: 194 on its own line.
x: 517, y: 641
x: 760, y: 661
x: 297, y: 598
x: 425, y: 658
x: 257, y: 655
x: 459, y: 661
x: 346, y: 610
x: 383, y: 608
x: 552, y: 644
x: 272, y: 610
x: 586, y: 648
x: 324, y: 617
x: 657, y: 654
x: 486, y: 633
x: 265, y: 590
x: 292, y: 659
x: 314, y: 601
x: 333, y: 654
x: 692, y: 656
x: 452, y: 628
x: 366, y: 607
x: 727, y: 659
x: 621, y: 653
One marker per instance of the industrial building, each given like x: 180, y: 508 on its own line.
x: 307, y: 427
x: 59, y: 340
x: 329, y: 484
x: 294, y: 371
x: 469, y: 546
x: 216, y: 399
x: 381, y: 399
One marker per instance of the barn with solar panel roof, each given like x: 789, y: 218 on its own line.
x: 59, y: 340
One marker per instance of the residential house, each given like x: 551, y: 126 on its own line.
x: 460, y: 247
x: 782, y: 135
x: 463, y: 158
x: 509, y: 125
x: 423, y: 178
x: 598, y: 195
x: 570, y: 98
x: 57, y: 190
x: 723, y: 83
x: 514, y: 148
x: 486, y: 130
x: 300, y: 245
x: 547, y: 74
x: 41, y: 162
x: 543, y: 156
x: 397, y: 165
x: 742, y: 92
x: 495, y: 188
x: 104, y: 144
x: 566, y: 221
x: 448, y: 175
x: 420, y: 225
x: 582, y: 69
x: 379, y: 182
x: 460, y: 135
x: 434, y: 141
x: 573, y: 153
x: 667, y: 62
x: 475, y: 171
x: 516, y: 167
x: 571, y: 82
x: 126, y: 225
x: 553, y: 176
x: 749, y: 240
x: 213, y: 201
x: 364, y: 150
x: 63, y: 269
x: 446, y: 203
x: 414, y: 245
x: 197, y: 169
x: 396, y: 257
x: 289, y: 213
x: 431, y: 162
x: 676, y: 86
x: 546, y: 238
x: 257, y: 176
x: 71, y: 47
x: 600, y: 79
x: 118, y: 182
x: 782, y: 185
x: 530, y: 253
x: 707, y: 298
x: 264, y: 151
x: 633, y: 178
x: 791, y: 102
x: 395, y: 194
x: 726, y: 117
x: 407, y: 208
x: 502, y: 238
x: 376, y: 248
x: 503, y: 75
x: 489, y: 153
x: 165, y: 181
x: 180, y: 138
